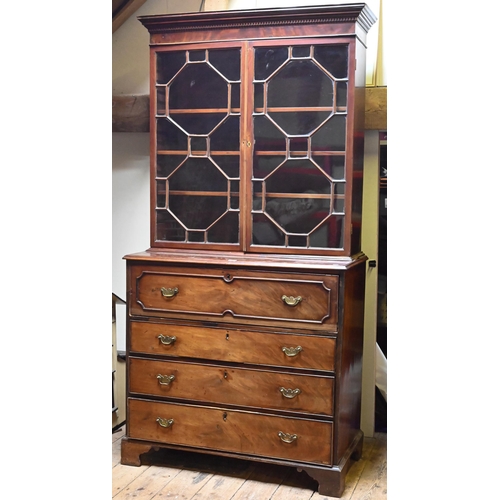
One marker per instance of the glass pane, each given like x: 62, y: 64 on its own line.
x: 227, y: 136
x: 227, y: 61
x: 235, y: 95
x: 299, y: 145
x: 258, y: 95
x: 168, y: 64
x: 166, y: 164
x: 334, y: 58
x: 341, y: 94
x: 168, y: 228
x: 197, y: 212
x: 161, y: 201
x: 225, y: 230
x: 301, y: 51
x: 339, y: 202
x: 198, y: 86
x: 296, y: 215
x: 235, y: 195
x: 301, y: 83
x: 298, y: 176
x: 198, y: 123
x: 329, y: 234
x: 265, y: 232
x: 196, y: 236
x: 258, y: 200
x: 198, y: 174
x: 331, y: 136
x: 169, y: 136
x: 267, y: 136
x: 334, y: 166
x: 268, y: 60
x: 160, y: 101
x: 297, y: 241
x: 264, y: 165
x: 197, y: 55
x: 229, y: 164
x: 300, y: 123
x: 199, y: 145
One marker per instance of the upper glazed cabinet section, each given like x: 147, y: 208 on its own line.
x: 257, y: 143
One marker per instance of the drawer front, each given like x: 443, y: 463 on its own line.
x: 239, y: 346
x: 234, y: 296
x: 235, y: 386
x: 231, y: 431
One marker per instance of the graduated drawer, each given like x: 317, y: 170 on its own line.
x: 239, y: 346
x: 233, y: 295
x: 235, y: 386
x: 231, y: 431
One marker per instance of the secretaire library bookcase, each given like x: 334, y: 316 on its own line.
x: 245, y: 316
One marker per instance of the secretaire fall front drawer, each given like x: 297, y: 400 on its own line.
x: 234, y: 295
x: 234, y: 345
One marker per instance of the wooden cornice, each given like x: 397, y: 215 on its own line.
x: 131, y: 112
x: 276, y: 16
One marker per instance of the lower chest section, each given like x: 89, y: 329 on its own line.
x: 232, y: 361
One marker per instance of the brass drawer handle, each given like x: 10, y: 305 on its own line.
x: 291, y: 301
x: 166, y: 339
x: 290, y: 393
x: 291, y: 351
x: 165, y: 379
x: 287, y: 438
x: 168, y: 293
x: 164, y: 422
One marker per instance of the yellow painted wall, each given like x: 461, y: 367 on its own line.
x: 369, y: 245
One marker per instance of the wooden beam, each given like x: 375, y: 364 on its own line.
x: 131, y: 112
x: 376, y: 108
x: 128, y: 8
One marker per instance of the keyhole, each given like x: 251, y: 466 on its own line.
x: 227, y: 336
x: 225, y: 374
x: 224, y: 416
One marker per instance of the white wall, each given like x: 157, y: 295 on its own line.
x: 130, y: 179
x: 130, y: 183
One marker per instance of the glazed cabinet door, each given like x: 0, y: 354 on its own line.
x: 251, y: 146
x: 301, y: 161
x: 196, y: 164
